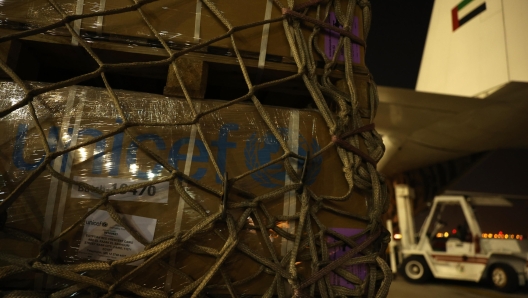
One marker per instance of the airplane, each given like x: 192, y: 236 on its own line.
x: 471, y: 88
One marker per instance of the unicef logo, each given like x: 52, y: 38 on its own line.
x: 261, y: 151
x: 97, y: 223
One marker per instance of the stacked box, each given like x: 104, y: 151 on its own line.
x: 240, y: 141
x: 183, y: 23
x: 170, y: 216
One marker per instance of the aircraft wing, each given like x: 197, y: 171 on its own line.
x: 420, y: 129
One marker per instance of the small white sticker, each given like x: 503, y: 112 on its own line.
x: 104, y: 240
x: 157, y: 193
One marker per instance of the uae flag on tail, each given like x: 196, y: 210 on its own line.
x: 465, y: 11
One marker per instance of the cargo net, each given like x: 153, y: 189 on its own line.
x: 344, y: 123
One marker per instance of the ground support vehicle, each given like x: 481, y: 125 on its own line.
x: 464, y: 256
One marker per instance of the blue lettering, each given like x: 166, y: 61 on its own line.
x: 115, y: 156
x: 222, y: 145
x: 99, y: 149
x: 271, y: 146
x: 20, y: 143
x: 53, y: 138
x: 259, y: 152
x: 315, y: 164
x: 175, y: 156
x: 132, y: 152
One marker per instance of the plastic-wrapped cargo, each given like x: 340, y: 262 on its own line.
x: 240, y: 142
x: 109, y: 192
x: 183, y: 23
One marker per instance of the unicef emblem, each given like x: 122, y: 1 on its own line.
x: 259, y: 152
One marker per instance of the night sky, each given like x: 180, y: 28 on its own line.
x: 396, y: 41
x: 394, y: 52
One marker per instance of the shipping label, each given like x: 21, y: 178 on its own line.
x: 157, y: 193
x: 332, y: 40
x: 104, y: 240
x: 359, y: 270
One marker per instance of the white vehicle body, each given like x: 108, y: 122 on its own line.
x: 471, y: 259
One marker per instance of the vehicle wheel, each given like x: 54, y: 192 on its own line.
x: 415, y: 269
x: 503, y: 278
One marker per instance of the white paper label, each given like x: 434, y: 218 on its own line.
x: 157, y: 193
x: 104, y: 240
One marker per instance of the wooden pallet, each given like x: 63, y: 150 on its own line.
x: 209, y: 73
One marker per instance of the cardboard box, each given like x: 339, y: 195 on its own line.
x: 176, y: 21
x: 239, y: 140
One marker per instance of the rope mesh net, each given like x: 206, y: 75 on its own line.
x: 346, y: 126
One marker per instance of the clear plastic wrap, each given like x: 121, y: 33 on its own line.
x: 109, y: 192
x: 183, y: 23
x: 240, y: 141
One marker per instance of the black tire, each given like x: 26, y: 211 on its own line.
x: 415, y: 269
x: 503, y: 278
